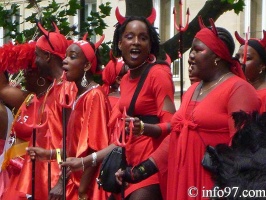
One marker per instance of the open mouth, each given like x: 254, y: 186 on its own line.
x: 134, y: 53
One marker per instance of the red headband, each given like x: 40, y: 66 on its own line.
x: 52, y: 42
x: 111, y: 71
x: 88, y: 50
x: 210, y: 38
x: 17, y: 57
x: 122, y: 19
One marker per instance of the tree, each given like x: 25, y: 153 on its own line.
x: 95, y: 24
x: 211, y: 9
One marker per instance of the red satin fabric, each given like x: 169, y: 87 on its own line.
x: 195, y: 125
x: 42, y: 140
x: 88, y: 133
x: 22, y: 132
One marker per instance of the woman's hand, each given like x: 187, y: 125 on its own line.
x: 119, y: 176
x: 137, y: 128
x: 56, y: 192
x: 39, y: 153
x: 73, y: 163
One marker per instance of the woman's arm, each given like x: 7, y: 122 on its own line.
x: 12, y: 96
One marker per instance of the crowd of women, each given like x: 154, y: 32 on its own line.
x: 164, y: 156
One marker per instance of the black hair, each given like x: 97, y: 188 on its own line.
x: 227, y: 38
x: 120, y: 28
x: 98, y: 57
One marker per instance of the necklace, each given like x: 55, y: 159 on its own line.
x: 202, y: 91
x: 138, y: 66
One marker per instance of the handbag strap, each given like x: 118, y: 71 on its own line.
x: 131, y: 107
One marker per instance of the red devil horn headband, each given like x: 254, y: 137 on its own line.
x: 97, y: 44
x: 242, y: 40
x: 213, y: 27
x: 56, y: 28
x: 121, y: 19
x: 239, y: 38
x: 45, y: 32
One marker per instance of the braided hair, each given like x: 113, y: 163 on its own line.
x: 227, y: 38
x: 120, y: 28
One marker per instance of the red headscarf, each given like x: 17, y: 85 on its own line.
x: 210, y: 38
x: 110, y: 72
x: 88, y: 50
x: 52, y: 42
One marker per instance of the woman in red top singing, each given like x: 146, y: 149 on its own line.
x: 255, y: 64
x: 137, y: 41
x: 204, y: 118
x: 87, y: 130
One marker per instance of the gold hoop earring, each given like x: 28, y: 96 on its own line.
x: 41, y: 82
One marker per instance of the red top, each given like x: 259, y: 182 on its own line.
x: 157, y: 86
x: 195, y: 125
x: 262, y: 95
x: 88, y: 133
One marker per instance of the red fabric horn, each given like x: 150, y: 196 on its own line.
x: 239, y: 38
x: 121, y: 18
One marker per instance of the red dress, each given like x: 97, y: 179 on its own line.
x: 195, y: 125
x: 47, y: 137
x: 262, y: 95
x: 22, y: 132
x: 157, y: 86
x: 88, y: 133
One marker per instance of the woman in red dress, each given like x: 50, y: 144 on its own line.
x: 204, y: 118
x: 137, y: 41
x: 255, y: 64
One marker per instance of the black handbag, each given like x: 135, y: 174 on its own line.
x: 110, y: 165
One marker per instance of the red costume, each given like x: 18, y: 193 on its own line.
x: 48, y: 137
x: 90, y: 133
x: 157, y: 86
x: 194, y: 127
x: 262, y: 95
x: 22, y: 132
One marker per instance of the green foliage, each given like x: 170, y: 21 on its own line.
x: 238, y: 5
x: 57, y: 12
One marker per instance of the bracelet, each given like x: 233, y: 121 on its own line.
x: 82, y: 162
x: 82, y: 198
x: 94, y: 159
x: 51, y: 154
x: 58, y: 156
x: 141, y: 128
